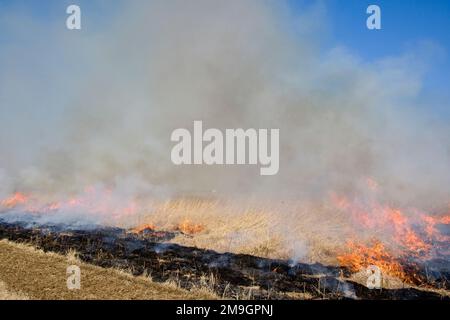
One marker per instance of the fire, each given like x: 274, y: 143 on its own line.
x: 400, y: 234
x: 403, y: 233
x: 430, y: 227
x: 92, y: 201
x: 143, y: 228
x: 360, y: 256
x: 100, y: 202
x: 15, y: 200
x: 391, y: 237
x: 186, y: 226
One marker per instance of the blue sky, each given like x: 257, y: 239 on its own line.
x: 403, y: 21
x: 405, y: 24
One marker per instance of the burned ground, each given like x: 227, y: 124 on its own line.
x: 228, y: 275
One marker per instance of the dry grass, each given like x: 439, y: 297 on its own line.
x: 6, y: 294
x: 389, y: 282
x: 305, y: 232
x: 283, y: 230
x: 299, y: 231
x: 29, y: 273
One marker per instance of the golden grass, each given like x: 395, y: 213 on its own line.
x: 303, y: 232
x: 282, y: 230
x: 299, y: 231
x: 6, y: 294
x: 29, y: 273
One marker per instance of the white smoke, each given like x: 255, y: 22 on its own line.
x: 79, y: 108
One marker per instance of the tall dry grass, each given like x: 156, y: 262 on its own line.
x: 287, y: 230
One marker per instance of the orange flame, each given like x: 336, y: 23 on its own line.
x: 91, y: 201
x: 360, y: 256
x: 144, y: 227
x: 15, y: 200
x: 400, y: 234
x: 190, y: 228
x: 186, y: 226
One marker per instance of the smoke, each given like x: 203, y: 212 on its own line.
x: 97, y: 106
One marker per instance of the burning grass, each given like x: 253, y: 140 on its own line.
x: 13, y: 201
x: 204, y: 272
x: 359, y: 257
x: 341, y: 230
x: 346, y: 233
x: 188, y: 227
x: 401, y: 239
x: 240, y: 227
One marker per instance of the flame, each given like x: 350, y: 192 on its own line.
x: 403, y: 233
x: 359, y: 257
x: 144, y: 227
x: 95, y: 201
x: 381, y: 234
x: 16, y: 199
x: 186, y: 226
x: 430, y: 227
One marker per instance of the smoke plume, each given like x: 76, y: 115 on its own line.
x: 97, y: 106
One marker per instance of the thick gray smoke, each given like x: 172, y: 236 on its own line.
x: 79, y: 108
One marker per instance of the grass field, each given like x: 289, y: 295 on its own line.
x: 27, y: 273
x: 288, y: 230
